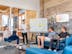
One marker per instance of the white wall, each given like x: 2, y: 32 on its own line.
x: 23, y: 4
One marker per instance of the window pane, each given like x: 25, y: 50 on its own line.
x: 4, y: 20
x: 19, y: 22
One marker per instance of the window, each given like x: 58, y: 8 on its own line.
x: 5, y: 20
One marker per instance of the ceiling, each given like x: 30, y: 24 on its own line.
x: 45, y: 1
x: 3, y: 7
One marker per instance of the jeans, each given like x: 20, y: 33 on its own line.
x: 25, y: 36
x: 54, y: 41
x: 12, y: 38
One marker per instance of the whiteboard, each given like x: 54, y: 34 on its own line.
x: 62, y: 18
x: 38, y: 25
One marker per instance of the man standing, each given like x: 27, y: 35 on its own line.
x: 24, y: 31
x: 52, y: 37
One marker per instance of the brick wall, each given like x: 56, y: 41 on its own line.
x: 50, y: 7
x: 59, y: 8
x: 54, y: 7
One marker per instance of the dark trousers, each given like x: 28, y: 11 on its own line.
x: 25, y: 36
x: 54, y: 41
x: 12, y: 38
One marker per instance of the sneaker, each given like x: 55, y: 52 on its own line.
x: 49, y: 49
x: 55, y: 50
x: 21, y: 44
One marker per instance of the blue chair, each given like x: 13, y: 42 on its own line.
x: 39, y: 51
x: 68, y: 41
x: 65, y: 42
x: 67, y: 50
x: 61, y: 44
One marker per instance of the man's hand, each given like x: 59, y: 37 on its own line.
x: 62, y: 38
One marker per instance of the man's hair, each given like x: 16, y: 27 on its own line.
x: 5, y: 27
x: 64, y: 28
x: 52, y: 28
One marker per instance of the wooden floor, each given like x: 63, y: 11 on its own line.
x: 22, y: 52
x: 11, y: 51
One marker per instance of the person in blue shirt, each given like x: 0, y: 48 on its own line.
x: 51, y: 35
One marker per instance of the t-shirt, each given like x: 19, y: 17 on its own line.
x: 52, y: 34
x: 23, y: 27
x: 6, y: 34
x: 63, y: 34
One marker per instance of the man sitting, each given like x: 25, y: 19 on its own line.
x: 64, y: 34
x: 6, y: 32
x: 51, y: 35
x: 13, y: 37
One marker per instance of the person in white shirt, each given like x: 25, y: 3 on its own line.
x: 6, y: 32
x: 24, y: 31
